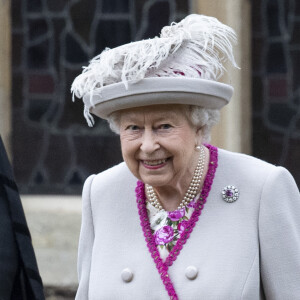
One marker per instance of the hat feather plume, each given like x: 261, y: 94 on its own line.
x: 196, y: 47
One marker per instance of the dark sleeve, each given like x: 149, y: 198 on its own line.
x: 8, y: 250
x: 18, y: 266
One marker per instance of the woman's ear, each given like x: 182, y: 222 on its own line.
x: 199, y: 136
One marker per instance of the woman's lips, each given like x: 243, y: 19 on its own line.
x: 154, y: 164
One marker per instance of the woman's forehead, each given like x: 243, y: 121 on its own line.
x: 153, y: 111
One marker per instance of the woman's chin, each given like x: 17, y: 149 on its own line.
x: 155, y: 176
x: 156, y: 181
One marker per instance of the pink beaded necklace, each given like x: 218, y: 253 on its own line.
x: 161, y: 266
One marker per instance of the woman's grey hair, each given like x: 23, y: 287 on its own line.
x: 203, y: 118
x: 199, y: 117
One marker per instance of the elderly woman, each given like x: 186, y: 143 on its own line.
x: 180, y: 219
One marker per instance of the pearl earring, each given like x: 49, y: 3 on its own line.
x: 198, y: 148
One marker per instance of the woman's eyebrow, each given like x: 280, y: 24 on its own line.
x: 168, y: 116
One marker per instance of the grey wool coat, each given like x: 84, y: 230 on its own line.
x: 248, y: 249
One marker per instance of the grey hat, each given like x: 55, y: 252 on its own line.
x: 182, y: 66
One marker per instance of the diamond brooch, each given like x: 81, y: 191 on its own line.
x: 230, y: 193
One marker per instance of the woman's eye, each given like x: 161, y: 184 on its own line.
x: 165, y: 126
x: 133, y: 127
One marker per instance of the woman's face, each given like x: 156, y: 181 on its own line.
x: 158, y: 144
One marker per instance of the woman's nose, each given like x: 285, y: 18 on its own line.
x: 149, y: 142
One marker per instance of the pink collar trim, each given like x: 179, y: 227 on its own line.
x: 161, y: 266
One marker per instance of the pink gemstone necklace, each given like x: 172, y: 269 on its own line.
x: 161, y: 266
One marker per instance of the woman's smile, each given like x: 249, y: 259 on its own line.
x: 154, y: 164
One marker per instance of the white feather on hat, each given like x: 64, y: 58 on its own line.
x: 196, y: 47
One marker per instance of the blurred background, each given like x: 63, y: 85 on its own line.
x: 43, y: 46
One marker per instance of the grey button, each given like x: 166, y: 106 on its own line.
x: 191, y: 272
x: 126, y: 275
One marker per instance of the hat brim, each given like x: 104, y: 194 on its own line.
x: 159, y: 90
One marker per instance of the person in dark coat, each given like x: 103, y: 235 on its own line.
x: 19, y: 274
